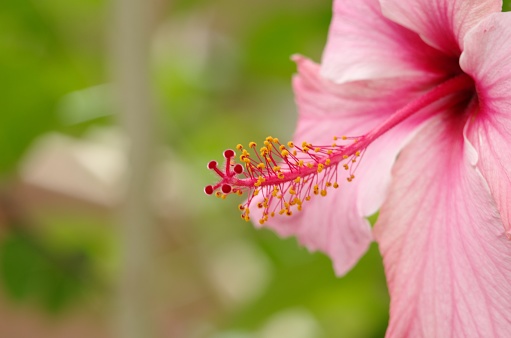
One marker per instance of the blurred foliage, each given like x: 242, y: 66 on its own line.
x: 49, y: 49
x: 222, y: 76
x: 30, y: 272
x: 41, y: 60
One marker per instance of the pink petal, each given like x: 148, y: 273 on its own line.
x: 441, y: 23
x: 486, y: 58
x: 336, y: 224
x: 447, y: 263
x: 363, y: 44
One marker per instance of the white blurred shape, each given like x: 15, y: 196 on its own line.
x: 93, y: 169
x: 295, y: 322
x: 239, y: 271
x: 233, y: 334
x: 83, y: 169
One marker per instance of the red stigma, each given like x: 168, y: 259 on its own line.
x: 209, y: 190
x: 229, y: 153
x: 226, y: 188
x: 238, y: 168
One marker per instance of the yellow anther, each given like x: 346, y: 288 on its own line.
x: 336, y: 185
x: 276, y: 168
x: 344, y: 156
x: 252, y: 145
x: 280, y: 176
x: 329, y: 152
x: 300, y: 163
x: 239, y: 147
x: 289, y: 213
x: 334, y: 144
x: 304, y: 144
x: 307, y: 198
x: 275, y: 140
x: 295, y: 152
x: 256, y: 192
x: 224, y: 196
x: 323, y: 193
x: 353, y: 160
x: 267, y: 143
x: 282, y: 147
x: 292, y: 191
x: 261, y: 221
x: 328, y: 184
x: 246, y: 159
x: 357, y: 153
x: 272, y: 214
x: 239, y: 192
x: 335, y: 138
x: 299, y: 208
x: 344, y: 138
x: 274, y: 193
x: 310, y: 165
x: 284, y: 153
x: 261, y: 166
x: 297, y: 180
x: 290, y: 144
x: 282, y: 211
x: 317, y: 149
x: 327, y: 161
x: 321, y: 166
x: 269, y: 139
x: 305, y: 149
x: 260, y: 205
x: 345, y: 166
x: 241, y: 207
x: 218, y: 194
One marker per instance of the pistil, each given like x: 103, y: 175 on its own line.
x: 286, y: 175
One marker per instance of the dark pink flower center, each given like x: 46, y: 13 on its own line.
x: 287, y: 175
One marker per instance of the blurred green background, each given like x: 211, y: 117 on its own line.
x: 221, y: 75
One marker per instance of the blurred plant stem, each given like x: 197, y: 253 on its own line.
x: 131, y: 36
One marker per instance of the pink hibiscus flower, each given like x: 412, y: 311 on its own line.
x: 414, y: 97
